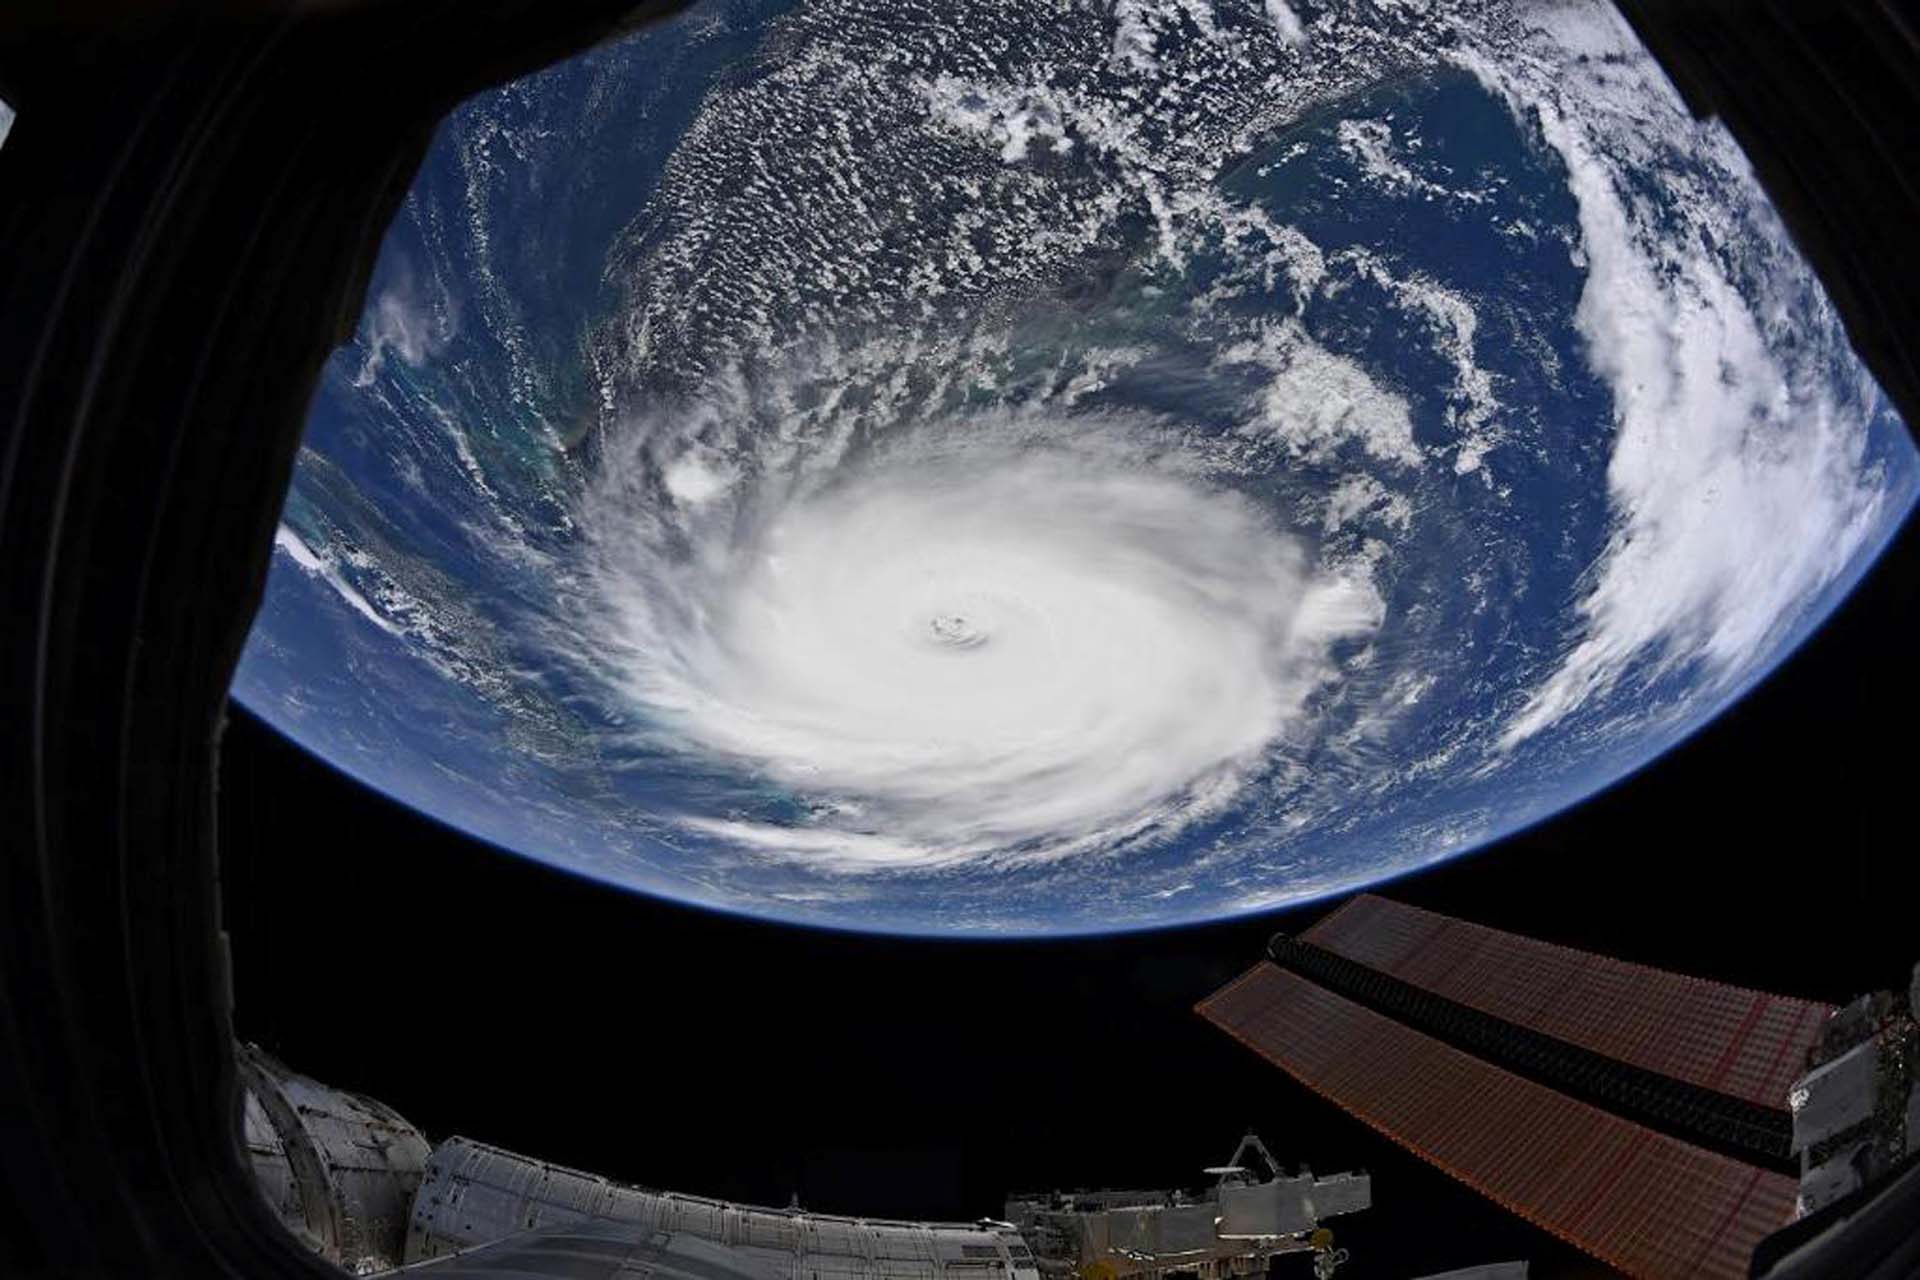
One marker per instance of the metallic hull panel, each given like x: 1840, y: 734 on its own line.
x: 594, y: 1251
x: 474, y: 1194
x: 338, y: 1169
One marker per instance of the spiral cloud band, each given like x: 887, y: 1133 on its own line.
x: 996, y: 651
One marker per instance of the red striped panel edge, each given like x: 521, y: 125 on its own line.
x: 1642, y: 1202
x: 1744, y: 1043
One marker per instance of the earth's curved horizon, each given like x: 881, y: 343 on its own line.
x: 997, y: 471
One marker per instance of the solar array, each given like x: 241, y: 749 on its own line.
x: 1747, y: 1044
x: 1641, y: 1201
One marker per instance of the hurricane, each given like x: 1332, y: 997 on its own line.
x: 1003, y: 468
x: 995, y: 640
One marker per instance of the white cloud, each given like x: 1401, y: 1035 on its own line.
x: 1360, y: 494
x: 1736, y: 479
x: 1455, y: 326
x: 1316, y: 400
x: 1139, y: 23
x: 697, y: 477
x: 1286, y: 23
x: 407, y: 322
x: 318, y: 566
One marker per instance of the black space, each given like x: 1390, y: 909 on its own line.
x: 482, y: 994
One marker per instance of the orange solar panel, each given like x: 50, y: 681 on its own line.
x: 1638, y: 1200
x: 1747, y: 1044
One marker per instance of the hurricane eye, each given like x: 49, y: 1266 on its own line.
x: 955, y: 631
